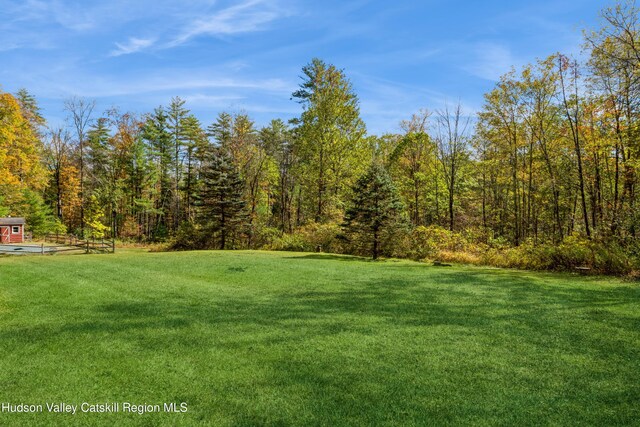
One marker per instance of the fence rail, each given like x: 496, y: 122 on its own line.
x: 57, y: 243
x: 73, y: 243
x: 26, y: 249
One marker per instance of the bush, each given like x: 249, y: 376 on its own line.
x: 263, y: 236
x: 308, y: 239
x: 188, y: 237
x: 287, y: 242
x: 423, y: 243
x: 324, y: 236
x: 574, y: 251
x: 475, y: 247
x: 612, y: 259
x: 436, y: 242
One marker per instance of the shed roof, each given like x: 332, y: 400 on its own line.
x: 12, y: 221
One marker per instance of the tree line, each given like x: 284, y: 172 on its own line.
x: 553, y: 153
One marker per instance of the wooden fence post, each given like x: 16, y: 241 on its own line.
x: 42, y: 248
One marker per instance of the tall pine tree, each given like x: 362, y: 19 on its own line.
x: 222, y: 208
x: 375, y: 214
x: 330, y: 143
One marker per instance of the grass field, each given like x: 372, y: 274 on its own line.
x: 255, y: 338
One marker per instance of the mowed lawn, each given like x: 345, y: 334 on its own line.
x: 257, y: 338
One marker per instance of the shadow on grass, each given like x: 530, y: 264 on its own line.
x: 366, y: 353
x: 331, y: 257
x: 477, y: 301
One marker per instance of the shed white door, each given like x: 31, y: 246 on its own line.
x: 4, y: 234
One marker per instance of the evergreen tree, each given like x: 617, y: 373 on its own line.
x: 98, y: 154
x: 196, y: 144
x: 375, y: 214
x: 222, y: 208
x: 222, y: 130
x: 156, y: 132
x: 177, y: 114
x: 30, y: 109
x: 40, y: 219
x: 330, y: 142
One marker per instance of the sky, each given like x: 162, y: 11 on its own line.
x: 246, y: 56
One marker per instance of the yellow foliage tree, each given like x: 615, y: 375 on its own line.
x: 94, y: 214
x: 20, y: 150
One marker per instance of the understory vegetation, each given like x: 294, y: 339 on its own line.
x: 544, y: 176
x: 435, y: 243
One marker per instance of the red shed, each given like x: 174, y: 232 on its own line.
x: 12, y: 230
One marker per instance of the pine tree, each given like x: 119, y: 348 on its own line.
x: 30, y: 109
x: 156, y: 132
x: 40, y: 218
x: 375, y: 214
x: 176, y: 116
x: 221, y: 130
x: 330, y: 144
x: 195, y: 143
x: 98, y: 152
x: 222, y: 208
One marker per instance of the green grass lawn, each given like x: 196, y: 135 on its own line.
x: 256, y: 338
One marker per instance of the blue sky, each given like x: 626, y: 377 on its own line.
x: 247, y: 55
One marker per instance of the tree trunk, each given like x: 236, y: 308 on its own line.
x: 573, y: 123
x: 451, y: 188
x: 320, y: 185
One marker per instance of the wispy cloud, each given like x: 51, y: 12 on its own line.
x: 250, y: 16
x: 489, y: 61
x: 401, y: 56
x: 247, y: 17
x: 386, y: 102
x: 200, y: 99
x: 133, y: 45
x: 75, y: 17
x: 173, y: 83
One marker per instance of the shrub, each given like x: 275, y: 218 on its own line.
x: 287, y: 242
x: 264, y: 236
x: 324, y: 236
x: 612, y: 259
x: 574, y: 251
x: 429, y: 242
x: 305, y: 239
x: 188, y: 237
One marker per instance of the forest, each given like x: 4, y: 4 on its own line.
x: 544, y: 176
